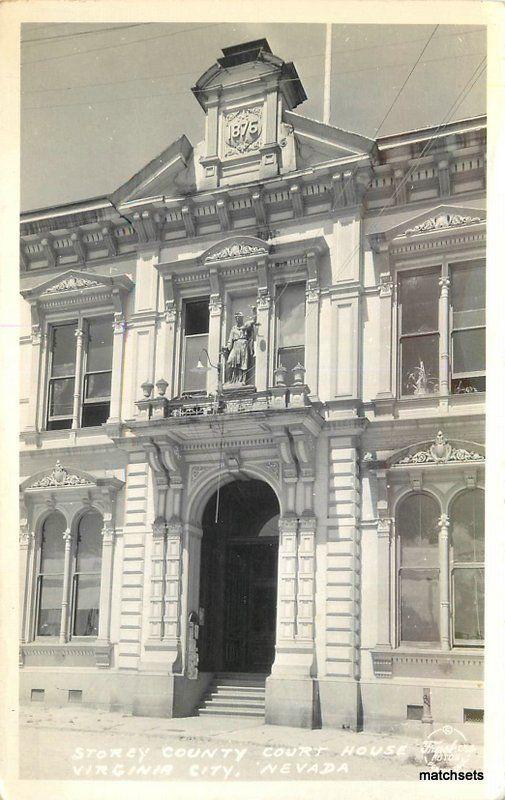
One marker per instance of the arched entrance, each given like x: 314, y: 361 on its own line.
x: 238, y: 578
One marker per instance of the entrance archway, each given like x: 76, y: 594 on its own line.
x: 238, y: 579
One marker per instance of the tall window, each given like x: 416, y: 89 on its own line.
x: 82, y: 372
x: 290, y: 313
x: 50, y: 575
x: 62, y: 376
x: 86, y: 577
x: 84, y: 571
x: 430, y: 319
x: 196, y: 338
x: 97, y: 372
x: 417, y: 533
x: 419, y: 336
x: 467, y: 539
x: 468, y: 300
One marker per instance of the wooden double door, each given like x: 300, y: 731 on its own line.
x: 238, y: 596
x: 250, y: 602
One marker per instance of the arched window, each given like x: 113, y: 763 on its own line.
x: 50, y: 575
x: 417, y: 533
x: 86, y: 575
x: 467, y: 540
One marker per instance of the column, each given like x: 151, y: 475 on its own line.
x: 106, y: 583
x: 384, y: 528
x: 158, y: 555
x: 67, y: 538
x: 443, y: 552
x: 312, y: 327
x: 168, y: 370
x: 264, y: 339
x: 215, y: 317
x: 119, y: 328
x: 287, y: 589
x: 26, y: 539
x: 37, y: 381
x: 172, y: 599
x: 385, y: 337
x: 76, y: 411
x: 305, y: 579
x: 443, y: 314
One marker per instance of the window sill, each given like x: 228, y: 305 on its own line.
x: 396, y: 406
x: 80, y: 652
x: 427, y: 661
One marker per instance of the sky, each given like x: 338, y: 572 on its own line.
x: 100, y: 101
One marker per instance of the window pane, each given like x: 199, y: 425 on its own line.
x: 61, y: 400
x: 95, y: 414
x: 467, y: 517
x: 99, y: 345
x: 50, y: 598
x: 89, y: 543
x: 469, y: 351
x: 52, y: 544
x: 419, y: 302
x: 469, y: 603
x: 291, y: 316
x: 419, y: 606
x: 468, y: 288
x: 86, y: 601
x: 289, y: 357
x: 417, y: 529
x: 98, y: 385
x: 197, y: 317
x: 419, y: 356
x: 63, y: 353
x: 194, y: 381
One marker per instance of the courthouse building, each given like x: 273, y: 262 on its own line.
x: 252, y: 401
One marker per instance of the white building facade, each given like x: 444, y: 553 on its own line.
x: 318, y: 523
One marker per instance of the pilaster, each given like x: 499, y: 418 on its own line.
x: 67, y: 538
x: 119, y: 331
x: 76, y: 411
x: 444, y: 283
x: 443, y: 550
x: 264, y: 319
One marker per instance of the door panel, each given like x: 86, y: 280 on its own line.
x: 250, y: 606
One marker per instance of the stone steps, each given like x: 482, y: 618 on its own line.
x: 235, y: 695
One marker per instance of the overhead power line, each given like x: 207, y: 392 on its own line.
x: 83, y: 33
x: 386, y: 115
x: 118, y: 44
x: 144, y: 96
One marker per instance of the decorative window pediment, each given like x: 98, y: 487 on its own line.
x: 60, y: 477
x: 76, y: 289
x: 236, y: 248
x: 439, y: 222
x: 440, y: 451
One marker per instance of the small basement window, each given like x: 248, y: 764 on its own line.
x: 75, y: 695
x: 415, y: 712
x: 473, y: 715
x: 37, y: 695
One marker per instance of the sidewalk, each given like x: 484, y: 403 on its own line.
x: 80, y: 743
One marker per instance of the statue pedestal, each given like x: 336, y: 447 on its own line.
x: 238, y: 397
x: 237, y: 389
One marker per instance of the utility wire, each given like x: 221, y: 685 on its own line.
x: 119, y: 44
x: 405, y: 82
x: 92, y: 103
x: 84, y: 33
x: 477, y: 73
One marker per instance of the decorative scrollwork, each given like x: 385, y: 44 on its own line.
x: 442, y: 221
x: 71, y: 284
x: 60, y: 477
x: 441, y: 452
